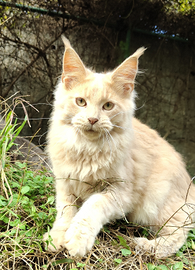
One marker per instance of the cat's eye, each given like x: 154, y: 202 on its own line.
x: 81, y: 102
x: 108, y: 106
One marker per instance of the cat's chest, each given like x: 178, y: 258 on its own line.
x: 85, y: 173
x: 87, y: 165
x: 83, y: 189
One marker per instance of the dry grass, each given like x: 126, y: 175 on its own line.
x: 106, y: 253
x: 27, y: 210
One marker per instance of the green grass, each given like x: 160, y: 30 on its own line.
x: 24, y: 217
x: 27, y: 211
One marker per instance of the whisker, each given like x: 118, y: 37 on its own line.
x: 32, y: 119
x: 111, y: 138
x: 116, y: 114
x: 77, y: 130
x: 121, y: 127
x: 103, y: 139
x: 108, y: 139
x: 140, y: 107
x: 120, y: 113
x: 66, y: 118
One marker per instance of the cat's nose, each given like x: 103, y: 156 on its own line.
x: 92, y: 120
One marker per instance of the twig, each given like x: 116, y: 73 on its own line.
x: 189, y: 188
x: 4, y: 179
x: 40, y: 54
x: 20, y: 100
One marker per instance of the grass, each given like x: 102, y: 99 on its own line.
x: 27, y: 211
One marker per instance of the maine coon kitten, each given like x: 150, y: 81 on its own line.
x: 107, y: 164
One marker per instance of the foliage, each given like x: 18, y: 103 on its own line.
x: 8, y: 134
x: 30, y: 41
x: 180, y: 6
x: 30, y: 204
x: 27, y: 212
x: 26, y: 202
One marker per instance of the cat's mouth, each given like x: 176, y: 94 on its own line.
x: 91, y: 133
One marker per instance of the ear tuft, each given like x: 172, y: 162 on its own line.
x: 139, y: 52
x: 66, y: 42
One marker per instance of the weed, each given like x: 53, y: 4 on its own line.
x: 27, y: 211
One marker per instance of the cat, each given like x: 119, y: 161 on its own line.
x: 109, y: 165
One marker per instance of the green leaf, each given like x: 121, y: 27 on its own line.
x: 191, y: 235
x: 151, y: 266
x: 193, y: 244
x: 80, y: 264
x: 22, y: 226
x: 25, y: 189
x: 16, y: 132
x: 105, y: 228
x: 178, y: 266
x: 14, y: 184
x: 123, y: 242
x: 125, y: 252
x: 114, y: 242
x: 50, y: 200
x: 179, y: 254
x: 162, y: 267
x: 33, y: 210
x: 15, y: 222
x: 5, y: 219
x: 118, y: 261
x: 2, y: 201
x: 65, y: 260
x: 42, y: 215
x: 25, y: 201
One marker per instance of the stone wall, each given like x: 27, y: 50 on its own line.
x: 166, y: 88
x: 38, y: 66
x: 166, y: 91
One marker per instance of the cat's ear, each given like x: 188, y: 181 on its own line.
x: 74, y: 70
x: 123, y: 77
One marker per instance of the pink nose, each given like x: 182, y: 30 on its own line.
x: 92, y: 120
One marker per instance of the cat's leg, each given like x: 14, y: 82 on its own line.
x: 172, y: 235
x: 66, y: 210
x: 98, y: 210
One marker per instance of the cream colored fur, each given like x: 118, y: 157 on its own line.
x: 114, y: 167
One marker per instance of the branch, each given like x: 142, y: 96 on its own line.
x: 41, y: 53
x: 19, y: 41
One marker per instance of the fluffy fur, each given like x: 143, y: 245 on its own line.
x: 107, y: 164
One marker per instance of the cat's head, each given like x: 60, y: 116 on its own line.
x: 96, y: 104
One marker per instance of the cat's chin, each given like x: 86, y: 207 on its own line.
x: 91, y: 134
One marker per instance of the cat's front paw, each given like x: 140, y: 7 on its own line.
x: 54, y: 240
x: 79, y: 238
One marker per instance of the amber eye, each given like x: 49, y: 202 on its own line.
x: 81, y: 102
x: 108, y: 106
